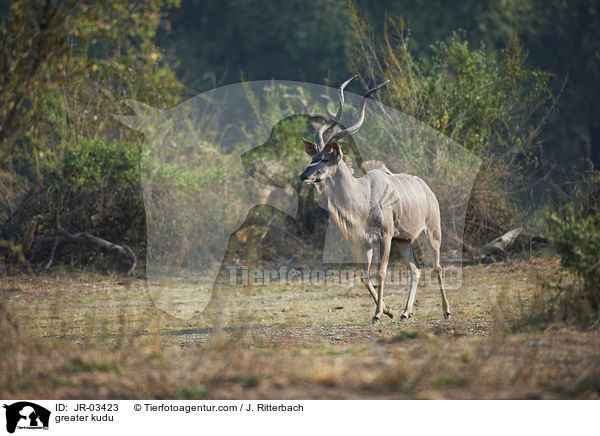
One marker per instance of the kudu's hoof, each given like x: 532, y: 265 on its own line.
x: 448, y: 315
x: 376, y: 320
x: 389, y: 312
x: 405, y: 316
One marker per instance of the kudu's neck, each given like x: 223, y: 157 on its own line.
x: 341, y: 192
x: 340, y: 186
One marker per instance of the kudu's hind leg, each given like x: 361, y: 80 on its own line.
x: 408, y: 254
x: 366, y: 279
x: 435, y: 240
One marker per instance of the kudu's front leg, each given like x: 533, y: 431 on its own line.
x: 366, y: 279
x: 385, y: 257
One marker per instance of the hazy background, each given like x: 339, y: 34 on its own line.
x: 218, y: 42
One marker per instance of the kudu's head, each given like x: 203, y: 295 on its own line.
x: 326, y: 156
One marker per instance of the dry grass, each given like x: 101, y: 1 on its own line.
x: 89, y: 336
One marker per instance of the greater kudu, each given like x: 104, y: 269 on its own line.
x: 377, y: 208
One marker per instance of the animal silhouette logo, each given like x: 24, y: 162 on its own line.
x: 198, y: 191
x: 26, y: 415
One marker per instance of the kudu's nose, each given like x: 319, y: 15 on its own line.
x: 303, y: 177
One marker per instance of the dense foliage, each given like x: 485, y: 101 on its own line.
x: 63, y: 156
x: 490, y: 103
x: 66, y: 66
x: 212, y: 41
x: 574, y: 228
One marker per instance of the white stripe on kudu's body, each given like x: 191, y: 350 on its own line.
x: 376, y: 209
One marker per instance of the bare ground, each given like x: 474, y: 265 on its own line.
x: 90, y: 336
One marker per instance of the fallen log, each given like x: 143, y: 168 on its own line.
x: 499, y: 248
x: 66, y: 236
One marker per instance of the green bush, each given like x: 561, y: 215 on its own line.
x: 574, y: 231
x: 92, y: 164
x: 490, y: 103
x: 90, y: 185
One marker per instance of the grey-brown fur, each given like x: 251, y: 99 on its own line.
x: 376, y: 209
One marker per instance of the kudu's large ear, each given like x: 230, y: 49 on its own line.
x: 309, y: 147
x: 335, y: 147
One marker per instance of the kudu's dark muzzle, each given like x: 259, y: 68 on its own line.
x: 308, y: 174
